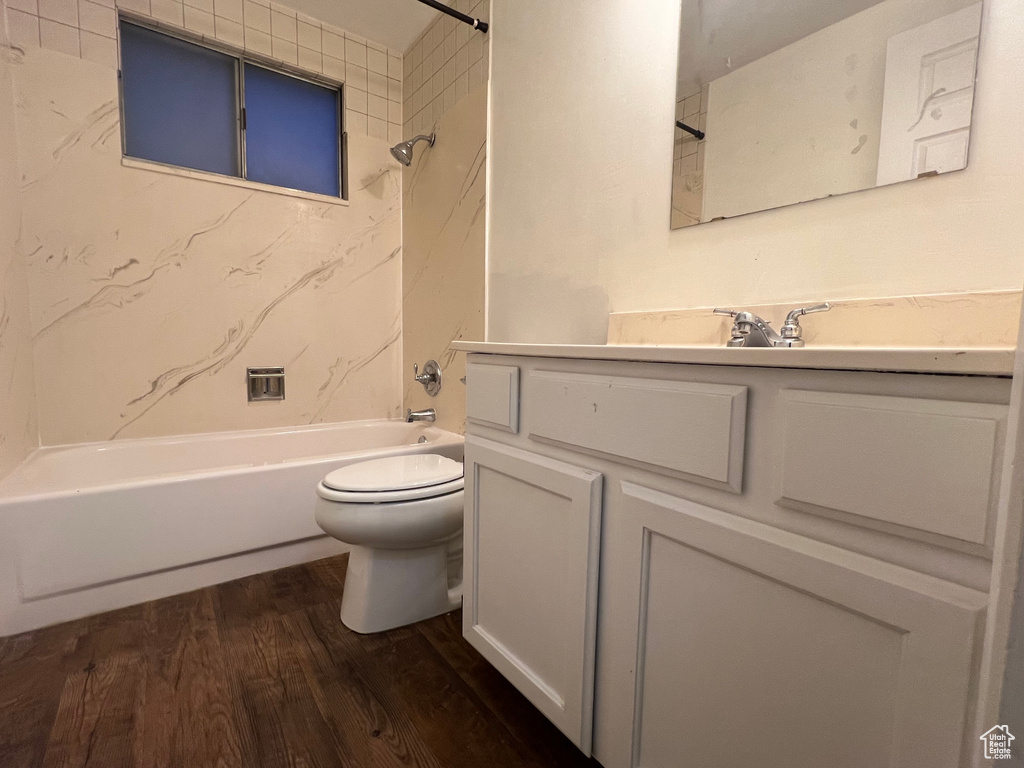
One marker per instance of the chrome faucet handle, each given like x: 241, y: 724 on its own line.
x: 794, y: 316
x: 738, y: 337
x: 430, y: 378
x: 792, y: 332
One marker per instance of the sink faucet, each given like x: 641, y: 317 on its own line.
x: 428, y: 415
x: 749, y: 330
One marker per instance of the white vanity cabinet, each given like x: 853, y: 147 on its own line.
x: 532, y: 538
x: 810, y: 655
x: 734, y: 567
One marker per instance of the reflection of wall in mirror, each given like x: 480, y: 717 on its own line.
x: 688, y: 160
x: 804, y: 122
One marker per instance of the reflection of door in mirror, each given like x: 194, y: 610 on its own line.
x: 801, y: 99
x: 929, y: 94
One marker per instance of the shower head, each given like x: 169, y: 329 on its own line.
x: 403, y: 152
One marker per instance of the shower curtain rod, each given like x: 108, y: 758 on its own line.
x: 475, y: 23
x: 692, y: 131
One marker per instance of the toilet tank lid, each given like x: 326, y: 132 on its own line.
x: 394, y: 473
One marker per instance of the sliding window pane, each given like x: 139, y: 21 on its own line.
x: 180, y: 102
x: 292, y: 134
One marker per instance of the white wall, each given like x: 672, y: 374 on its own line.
x: 804, y: 122
x: 18, y: 430
x: 581, y: 137
x: 580, y: 172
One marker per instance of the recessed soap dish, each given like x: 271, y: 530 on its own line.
x: 265, y: 384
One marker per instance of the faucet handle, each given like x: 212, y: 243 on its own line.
x: 792, y: 333
x: 738, y: 336
x: 430, y: 378
x: 823, y: 307
x: 793, y: 317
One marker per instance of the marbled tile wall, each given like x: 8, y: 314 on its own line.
x: 18, y: 430
x: 443, y: 272
x: 152, y: 292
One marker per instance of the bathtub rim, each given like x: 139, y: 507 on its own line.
x: 15, y: 495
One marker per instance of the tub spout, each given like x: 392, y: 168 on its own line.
x: 428, y: 415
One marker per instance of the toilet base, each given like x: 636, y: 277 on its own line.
x: 389, y: 588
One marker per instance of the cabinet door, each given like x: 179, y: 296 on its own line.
x: 532, y: 541
x: 758, y: 647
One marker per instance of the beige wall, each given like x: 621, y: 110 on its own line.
x: 579, y: 203
x: 18, y: 429
x: 152, y: 292
x: 581, y: 126
x: 959, y: 232
x: 443, y: 267
x: 805, y: 121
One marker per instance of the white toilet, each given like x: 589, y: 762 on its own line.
x: 404, y: 516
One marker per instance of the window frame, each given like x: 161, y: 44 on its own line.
x: 241, y: 59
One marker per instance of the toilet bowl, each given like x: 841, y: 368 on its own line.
x: 403, y: 516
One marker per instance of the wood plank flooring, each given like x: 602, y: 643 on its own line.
x: 261, y: 672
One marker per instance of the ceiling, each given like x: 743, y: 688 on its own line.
x: 717, y: 36
x: 394, y: 23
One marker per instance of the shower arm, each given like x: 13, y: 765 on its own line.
x: 483, y: 26
x: 422, y: 137
x: 699, y: 135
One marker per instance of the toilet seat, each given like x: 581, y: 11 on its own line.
x: 393, y: 479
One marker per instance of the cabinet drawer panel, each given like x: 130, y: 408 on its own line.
x: 492, y: 396
x: 686, y: 429
x: 924, y: 465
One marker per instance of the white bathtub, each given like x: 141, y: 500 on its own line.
x: 76, y: 518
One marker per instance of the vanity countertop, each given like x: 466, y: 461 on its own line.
x: 996, y: 361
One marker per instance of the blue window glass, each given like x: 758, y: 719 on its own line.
x: 180, y: 102
x: 292, y: 132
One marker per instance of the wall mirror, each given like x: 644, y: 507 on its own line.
x: 783, y: 101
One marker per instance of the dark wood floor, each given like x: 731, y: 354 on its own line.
x: 261, y: 672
